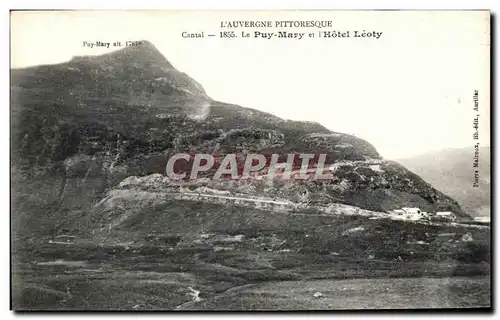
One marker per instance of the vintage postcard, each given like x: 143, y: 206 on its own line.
x: 250, y: 160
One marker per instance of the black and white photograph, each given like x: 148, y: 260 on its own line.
x: 271, y: 160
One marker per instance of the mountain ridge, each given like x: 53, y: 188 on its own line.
x: 81, y: 127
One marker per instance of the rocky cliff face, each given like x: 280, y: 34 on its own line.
x: 80, y: 127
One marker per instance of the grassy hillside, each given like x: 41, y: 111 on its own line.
x: 157, y: 250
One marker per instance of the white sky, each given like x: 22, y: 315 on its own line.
x: 407, y: 93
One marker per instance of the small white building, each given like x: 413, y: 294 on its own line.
x: 482, y: 219
x: 448, y: 215
x: 409, y: 210
x: 408, y: 213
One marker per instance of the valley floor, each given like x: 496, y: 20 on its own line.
x: 391, y: 293
x: 145, y: 253
x: 86, y: 278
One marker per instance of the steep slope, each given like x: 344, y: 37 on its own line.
x: 80, y: 127
x: 451, y: 171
